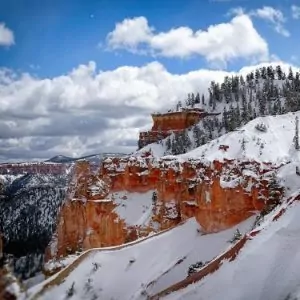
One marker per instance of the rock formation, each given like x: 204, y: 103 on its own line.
x: 218, y: 194
x: 173, y: 121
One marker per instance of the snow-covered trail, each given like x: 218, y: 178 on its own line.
x: 141, y: 269
x: 36, y: 291
x: 269, y: 262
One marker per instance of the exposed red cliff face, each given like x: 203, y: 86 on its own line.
x: 219, y: 195
x: 165, y: 124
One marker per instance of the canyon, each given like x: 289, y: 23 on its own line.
x: 218, y: 194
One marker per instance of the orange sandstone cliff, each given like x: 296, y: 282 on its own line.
x: 219, y: 195
x: 173, y: 121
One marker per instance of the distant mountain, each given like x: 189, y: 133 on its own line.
x: 93, y: 158
x: 60, y: 159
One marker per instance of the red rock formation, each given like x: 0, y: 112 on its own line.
x: 165, y: 124
x: 219, y: 195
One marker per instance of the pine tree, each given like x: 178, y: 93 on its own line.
x: 197, y: 98
x: 203, y: 99
x: 279, y: 72
x: 296, y: 137
x: 270, y: 73
x: 197, y: 135
x: 291, y: 75
x: 257, y: 75
x: 243, y: 145
x: 263, y: 73
x: 192, y: 103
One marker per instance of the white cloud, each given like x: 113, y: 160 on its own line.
x: 295, y: 11
x: 6, y: 36
x: 218, y: 43
x: 274, y: 17
x: 87, y: 111
x: 130, y: 33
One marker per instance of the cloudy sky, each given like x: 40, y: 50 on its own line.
x: 82, y: 76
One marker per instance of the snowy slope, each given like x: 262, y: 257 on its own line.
x: 134, y: 208
x: 124, y: 274
x: 275, y: 145
x: 267, y: 268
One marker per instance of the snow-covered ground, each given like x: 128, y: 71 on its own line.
x: 275, y: 145
x: 146, y: 267
x: 267, y: 268
x: 134, y: 208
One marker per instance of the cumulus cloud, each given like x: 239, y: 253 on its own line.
x: 88, y: 111
x: 218, y: 43
x: 274, y: 17
x: 295, y: 12
x: 6, y: 36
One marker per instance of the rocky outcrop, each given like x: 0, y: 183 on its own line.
x: 218, y: 194
x: 172, y: 121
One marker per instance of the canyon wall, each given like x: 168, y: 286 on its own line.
x: 219, y: 195
x: 172, y: 121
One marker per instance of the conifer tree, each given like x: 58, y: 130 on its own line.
x: 296, y: 137
x: 291, y: 75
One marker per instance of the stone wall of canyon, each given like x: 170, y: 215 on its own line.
x: 219, y: 195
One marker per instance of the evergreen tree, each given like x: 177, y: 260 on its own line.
x: 291, y: 75
x: 296, y: 137
x: 270, y: 73
x: 197, y: 135
x: 197, y: 98
x: 279, y: 73
x: 257, y: 75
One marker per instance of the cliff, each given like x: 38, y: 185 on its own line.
x: 166, y: 123
x: 220, y: 195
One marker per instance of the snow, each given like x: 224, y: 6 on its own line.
x: 134, y: 208
x: 157, y: 150
x: 97, y: 187
x: 275, y: 145
x: 60, y: 263
x: 14, y: 289
x: 154, y: 264
x: 207, y: 197
x: 229, y: 183
x: 266, y: 268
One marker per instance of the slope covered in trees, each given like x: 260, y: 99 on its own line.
x: 237, y: 100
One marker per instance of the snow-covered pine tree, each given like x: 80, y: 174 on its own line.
x: 296, y: 137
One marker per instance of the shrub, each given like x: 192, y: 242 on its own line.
x: 261, y: 127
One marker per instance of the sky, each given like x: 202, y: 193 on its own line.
x: 83, y: 76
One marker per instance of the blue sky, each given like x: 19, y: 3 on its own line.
x: 55, y: 36
x: 82, y: 77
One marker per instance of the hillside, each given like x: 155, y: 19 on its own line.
x: 236, y: 101
x: 266, y: 268
x: 265, y: 139
x: 141, y: 270
x: 145, y: 224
